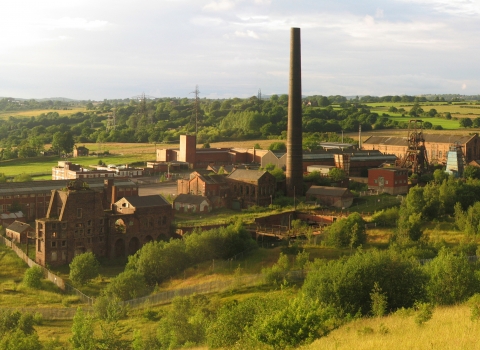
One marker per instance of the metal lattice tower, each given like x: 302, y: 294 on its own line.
x: 142, y: 105
x: 416, y: 155
x: 112, y: 120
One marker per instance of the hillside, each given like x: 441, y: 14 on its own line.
x: 449, y: 328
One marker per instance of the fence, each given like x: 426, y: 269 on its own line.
x: 204, y: 288
x: 58, y: 281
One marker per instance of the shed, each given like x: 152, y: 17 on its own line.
x: 19, y: 231
x: 331, y: 196
x: 192, y: 203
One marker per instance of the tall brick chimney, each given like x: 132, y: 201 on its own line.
x: 294, y: 171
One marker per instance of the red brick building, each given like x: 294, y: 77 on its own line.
x: 135, y: 221
x: 252, y: 187
x: 389, y: 180
x: 437, y: 145
x: 80, y: 219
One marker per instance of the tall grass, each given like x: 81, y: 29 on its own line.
x: 449, y: 328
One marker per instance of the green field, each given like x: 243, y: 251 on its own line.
x: 444, y: 123
x: 43, y: 165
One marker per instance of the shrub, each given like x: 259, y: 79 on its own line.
x: 33, y: 277
x: 451, y: 278
x: 83, y: 268
x: 347, y: 283
x: 349, y: 232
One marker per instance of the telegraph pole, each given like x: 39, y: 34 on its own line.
x: 197, y: 93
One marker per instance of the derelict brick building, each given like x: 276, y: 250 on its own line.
x: 81, y: 220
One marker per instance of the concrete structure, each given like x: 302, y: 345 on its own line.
x: 33, y: 197
x: 18, y: 232
x: 192, y: 203
x: 80, y: 219
x: 338, y: 197
x: 388, y: 180
x: 436, y: 145
x: 69, y: 171
x: 294, y: 165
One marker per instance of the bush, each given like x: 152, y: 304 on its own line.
x: 83, y: 268
x: 451, y: 278
x: 349, y: 232
x: 129, y: 284
x: 347, y: 283
x: 33, y: 277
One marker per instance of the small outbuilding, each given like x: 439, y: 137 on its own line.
x: 192, y: 203
x: 338, y: 197
x: 18, y: 232
x: 80, y: 151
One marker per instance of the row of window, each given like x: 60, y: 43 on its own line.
x: 33, y: 195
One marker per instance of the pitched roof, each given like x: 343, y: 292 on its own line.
x: 190, y: 199
x: 19, y: 226
x: 154, y: 200
x: 329, y: 191
x: 246, y: 175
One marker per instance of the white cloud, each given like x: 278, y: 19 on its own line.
x: 220, y: 5
x: 379, y: 13
x: 454, y: 7
x: 464, y: 86
x: 246, y: 34
x: 73, y: 23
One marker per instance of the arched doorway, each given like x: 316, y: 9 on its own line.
x: 119, y: 248
x: 120, y: 226
x: 133, y: 246
x: 148, y: 239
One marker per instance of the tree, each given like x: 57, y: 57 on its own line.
x: 83, y: 268
x: 22, y: 178
x: 63, y: 142
x: 33, y: 277
x: 451, y: 278
x: 471, y: 172
x: 277, y: 146
x: 465, y: 122
x: 347, y: 283
x: 349, y: 232
x: 82, y: 332
x: 337, y: 174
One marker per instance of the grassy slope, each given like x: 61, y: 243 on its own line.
x: 449, y: 328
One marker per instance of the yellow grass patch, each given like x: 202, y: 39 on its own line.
x: 449, y: 328
x: 37, y: 112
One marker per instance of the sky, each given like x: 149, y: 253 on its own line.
x: 105, y: 49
